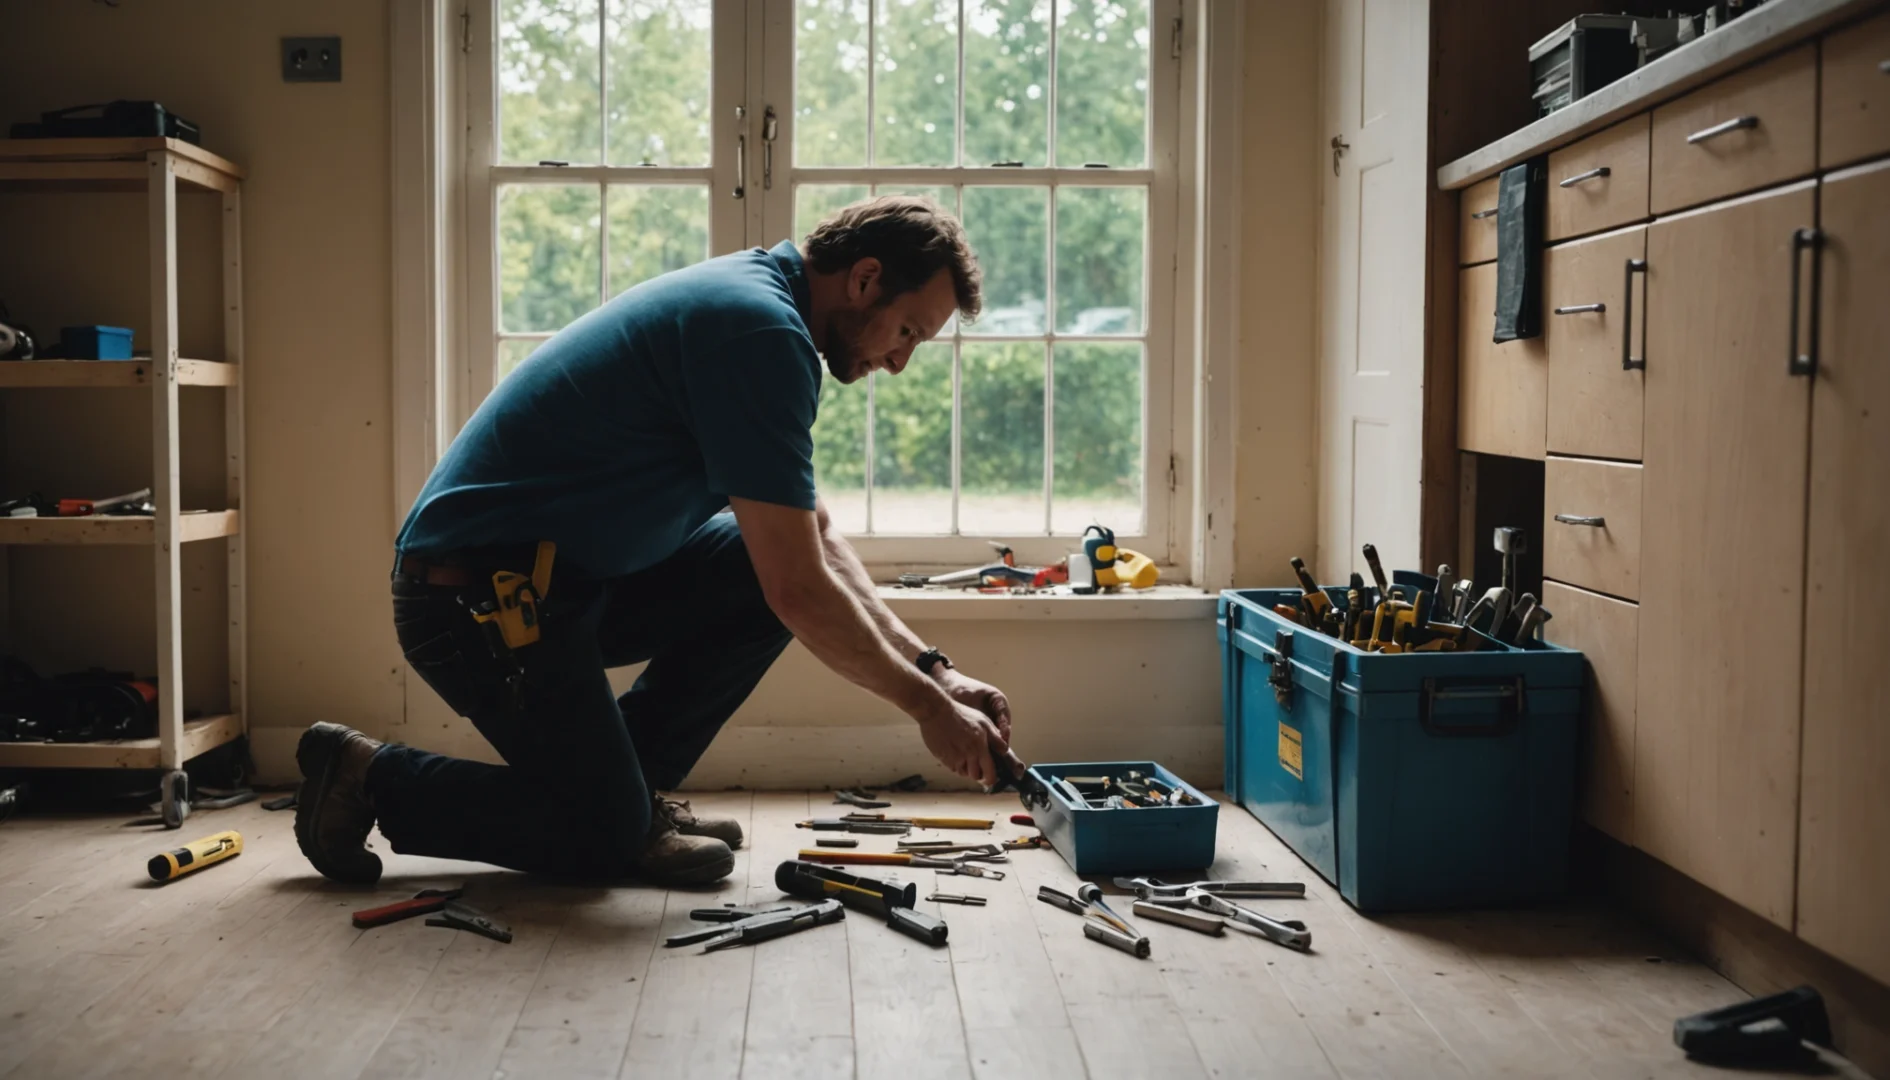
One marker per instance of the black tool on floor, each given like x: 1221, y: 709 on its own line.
x: 869, y: 896
x: 286, y: 802
x: 861, y: 798
x: 1766, y: 1029
x: 457, y: 916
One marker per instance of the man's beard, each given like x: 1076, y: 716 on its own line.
x: 844, y: 361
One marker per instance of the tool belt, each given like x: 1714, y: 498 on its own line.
x: 510, y: 620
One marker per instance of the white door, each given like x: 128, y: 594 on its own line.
x: 1371, y: 355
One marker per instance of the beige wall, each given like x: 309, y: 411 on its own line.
x: 1275, y: 501
x: 319, y: 374
x: 317, y: 334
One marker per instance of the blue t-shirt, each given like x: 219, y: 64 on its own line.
x: 619, y: 437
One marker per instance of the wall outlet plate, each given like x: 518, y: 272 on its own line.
x: 311, y: 59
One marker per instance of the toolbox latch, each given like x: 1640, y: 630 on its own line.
x: 1508, y: 695
x: 1280, y: 669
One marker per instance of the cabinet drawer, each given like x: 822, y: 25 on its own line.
x: 1591, y: 525
x: 1594, y: 401
x: 1854, y: 94
x: 1502, y: 390
x: 1746, y: 131
x: 1476, y: 241
x: 1607, y: 632
x: 1601, y: 181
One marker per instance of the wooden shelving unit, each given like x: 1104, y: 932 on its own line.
x: 158, y: 168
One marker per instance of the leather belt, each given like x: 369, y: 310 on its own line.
x: 461, y: 569
x: 431, y: 573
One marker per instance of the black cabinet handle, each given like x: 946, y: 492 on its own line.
x: 1481, y: 214
x: 1804, y: 363
x: 1582, y: 519
x: 1630, y: 362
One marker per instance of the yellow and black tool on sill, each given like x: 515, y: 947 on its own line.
x: 195, y: 855
x: 1114, y: 567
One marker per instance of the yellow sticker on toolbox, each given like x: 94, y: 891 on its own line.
x: 1289, y: 751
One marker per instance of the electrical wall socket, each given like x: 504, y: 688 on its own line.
x: 311, y: 59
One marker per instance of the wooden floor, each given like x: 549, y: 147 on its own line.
x: 251, y: 969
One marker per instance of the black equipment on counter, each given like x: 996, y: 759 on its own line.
x: 110, y: 120
x: 1580, y: 57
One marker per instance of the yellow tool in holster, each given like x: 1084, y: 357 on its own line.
x: 1114, y: 566
x: 517, y: 597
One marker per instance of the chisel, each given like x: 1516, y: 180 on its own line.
x: 1378, y: 572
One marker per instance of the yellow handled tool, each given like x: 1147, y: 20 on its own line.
x: 195, y: 855
x: 1113, y: 566
x: 926, y: 822
x: 518, y: 597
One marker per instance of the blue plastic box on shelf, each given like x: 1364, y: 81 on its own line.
x: 1137, y: 840
x: 95, y: 342
x: 1414, y: 781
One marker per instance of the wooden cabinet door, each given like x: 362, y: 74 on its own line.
x: 1844, y: 823
x: 1605, y: 631
x: 1502, y: 390
x: 1722, y: 550
x: 1594, y: 401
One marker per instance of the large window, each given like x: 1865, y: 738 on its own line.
x: 614, y: 140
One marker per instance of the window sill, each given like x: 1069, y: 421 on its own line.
x: 1163, y: 602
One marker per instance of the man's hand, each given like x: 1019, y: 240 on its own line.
x: 981, y: 696
x: 963, y: 740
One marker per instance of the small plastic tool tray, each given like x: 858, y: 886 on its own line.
x: 1139, y: 839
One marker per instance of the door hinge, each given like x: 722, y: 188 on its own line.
x: 1174, y: 38
x: 465, y: 30
x: 1174, y: 471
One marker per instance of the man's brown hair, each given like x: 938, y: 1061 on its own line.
x: 912, y: 237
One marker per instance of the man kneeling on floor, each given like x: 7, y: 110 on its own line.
x: 621, y: 441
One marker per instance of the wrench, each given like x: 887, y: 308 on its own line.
x: 1150, y: 888
x: 1289, y: 932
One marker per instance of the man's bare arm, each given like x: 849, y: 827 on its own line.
x: 824, y: 614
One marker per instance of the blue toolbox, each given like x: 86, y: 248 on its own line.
x: 95, y: 342
x: 1410, y: 782
x: 1130, y: 840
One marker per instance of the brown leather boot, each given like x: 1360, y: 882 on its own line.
x: 671, y: 858
x: 332, y: 812
x: 690, y: 823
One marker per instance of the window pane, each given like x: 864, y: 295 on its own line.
x: 943, y: 194
x: 658, y: 53
x: 840, y: 452
x: 654, y: 230
x: 813, y: 203
x: 513, y: 351
x: 1098, y: 403
x: 1102, y: 83
x: 548, y: 255
x: 547, y: 81
x: 1101, y: 233
x: 912, y: 445
x: 1001, y: 469
x: 1007, y: 81
x: 1006, y: 227
x: 915, y: 90
x: 830, y: 71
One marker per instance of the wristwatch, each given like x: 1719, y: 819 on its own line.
x: 931, y: 657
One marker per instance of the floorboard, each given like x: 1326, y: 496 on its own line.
x: 252, y: 968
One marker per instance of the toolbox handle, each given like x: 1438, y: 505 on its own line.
x: 1509, y: 708
x: 1280, y: 669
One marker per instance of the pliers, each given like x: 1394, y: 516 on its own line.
x: 457, y: 916
x: 760, y: 927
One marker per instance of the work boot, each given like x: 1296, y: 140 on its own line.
x: 690, y: 823
x: 332, y: 812
x: 670, y: 858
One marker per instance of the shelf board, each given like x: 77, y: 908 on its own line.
x: 49, y: 374
x: 108, y: 165
x: 200, y: 736
x: 105, y: 529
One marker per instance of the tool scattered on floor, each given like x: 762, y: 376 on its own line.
x: 1148, y: 888
x: 1183, y: 917
x: 1099, y: 924
x: 921, y: 822
x: 285, y: 802
x: 860, y: 798
x: 964, y: 852
x: 1024, y: 819
x: 847, y: 824
x: 881, y: 899
x: 879, y: 858
x: 457, y: 916
x: 195, y: 855
x: 424, y: 902
x: 1764, y: 1030
x: 1288, y: 932
x: 729, y: 913
x: 759, y: 928
x: 956, y: 898
x: 837, y: 842
x: 1023, y: 842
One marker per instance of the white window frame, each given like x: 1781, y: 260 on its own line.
x: 444, y: 341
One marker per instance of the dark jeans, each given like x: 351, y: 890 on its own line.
x: 574, y: 794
